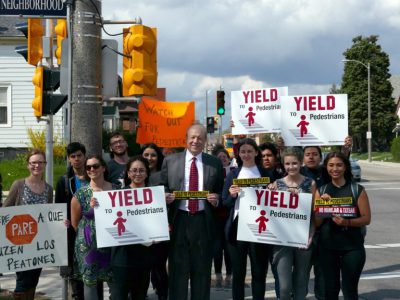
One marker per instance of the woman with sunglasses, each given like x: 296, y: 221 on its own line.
x: 30, y: 191
x: 93, y: 264
x: 132, y: 264
x: 341, y: 240
x: 249, y: 166
x: 159, y: 276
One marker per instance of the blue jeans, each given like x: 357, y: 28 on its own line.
x: 293, y: 266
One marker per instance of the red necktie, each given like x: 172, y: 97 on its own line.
x: 193, y: 186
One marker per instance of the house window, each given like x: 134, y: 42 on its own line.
x: 5, y: 105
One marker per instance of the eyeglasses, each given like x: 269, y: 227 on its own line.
x: 37, y: 163
x: 149, y: 155
x: 95, y: 167
x: 120, y: 142
x: 137, y: 171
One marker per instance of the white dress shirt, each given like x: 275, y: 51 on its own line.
x: 184, y: 205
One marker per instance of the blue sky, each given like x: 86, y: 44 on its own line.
x: 239, y: 45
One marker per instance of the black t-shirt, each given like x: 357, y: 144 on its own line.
x: 337, y: 237
x: 116, y: 171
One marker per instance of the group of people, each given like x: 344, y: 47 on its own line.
x: 201, y: 229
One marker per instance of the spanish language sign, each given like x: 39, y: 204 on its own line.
x: 131, y: 216
x: 257, y: 111
x: 314, y: 120
x: 164, y: 123
x: 32, y: 237
x: 274, y: 217
x: 335, y: 206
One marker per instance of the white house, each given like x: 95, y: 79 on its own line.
x: 16, y: 93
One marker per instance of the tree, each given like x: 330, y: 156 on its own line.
x: 355, y: 85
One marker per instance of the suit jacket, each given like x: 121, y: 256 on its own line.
x: 173, y: 178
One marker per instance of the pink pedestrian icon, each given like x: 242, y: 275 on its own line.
x: 263, y: 220
x: 303, y: 125
x: 120, y: 223
x: 250, y: 115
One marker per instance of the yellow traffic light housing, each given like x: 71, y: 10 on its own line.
x: 37, y: 103
x: 140, y: 74
x: 46, y: 81
x: 61, y: 33
x: 216, y: 123
x: 33, y: 31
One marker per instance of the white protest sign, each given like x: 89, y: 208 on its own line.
x: 131, y: 216
x: 32, y: 237
x: 274, y: 217
x: 314, y: 120
x: 257, y: 111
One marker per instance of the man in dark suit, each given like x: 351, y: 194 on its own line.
x: 192, y: 221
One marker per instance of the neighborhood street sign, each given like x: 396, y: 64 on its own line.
x: 27, y: 8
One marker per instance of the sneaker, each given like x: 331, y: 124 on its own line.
x: 228, y: 282
x: 218, y: 283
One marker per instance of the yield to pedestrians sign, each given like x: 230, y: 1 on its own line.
x: 309, y: 120
x: 257, y: 111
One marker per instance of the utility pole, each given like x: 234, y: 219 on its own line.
x: 86, y: 100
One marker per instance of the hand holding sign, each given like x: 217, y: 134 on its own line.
x: 213, y: 199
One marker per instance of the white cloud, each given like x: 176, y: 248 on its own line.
x: 260, y: 43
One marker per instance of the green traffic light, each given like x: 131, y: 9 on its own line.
x: 221, y: 111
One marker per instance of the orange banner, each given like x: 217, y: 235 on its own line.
x: 164, y: 123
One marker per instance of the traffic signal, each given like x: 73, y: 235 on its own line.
x: 61, y: 33
x: 140, y: 74
x: 33, y: 31
x: 45, y: 102
x: 125, y: 62
x: 216, y: 122
x: 220, y: 103
x: 210, y: 125
x: 37, y: 103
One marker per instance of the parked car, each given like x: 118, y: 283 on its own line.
x: 355, y: 169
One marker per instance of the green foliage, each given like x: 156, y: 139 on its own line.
x: 12, y: 170
x: 133, y: 147
x: 395, y: 149
x: 355, y: 84
x: 38, y: 141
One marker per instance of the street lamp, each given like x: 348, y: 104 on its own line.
x: 369, y: 133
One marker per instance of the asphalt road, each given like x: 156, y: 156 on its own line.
x: 381, y: 276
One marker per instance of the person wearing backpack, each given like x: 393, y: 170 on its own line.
x: 341, y: 241
x: 67, y: 185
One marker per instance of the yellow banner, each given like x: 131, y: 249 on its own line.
x: 334, y: 201
x: 164, y: 123
x: 190, y: 194
x: 251, y: 181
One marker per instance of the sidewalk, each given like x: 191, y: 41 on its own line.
x: 50, y: 285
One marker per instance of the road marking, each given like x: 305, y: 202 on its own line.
x: 373, y: 247
x: 380, y: 189
x: 382, y: 246
x: 379, y: 183
x: 389, y: 245
x: 380, y: 275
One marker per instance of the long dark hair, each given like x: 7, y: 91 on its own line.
x: 127, y: 180
x: 160, y: 156
x: 252, y: 143
x: 347, y: 173
x: 102, y: 163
